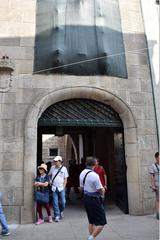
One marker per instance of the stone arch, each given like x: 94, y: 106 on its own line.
x: 70, y: 144
x: 130, y: 136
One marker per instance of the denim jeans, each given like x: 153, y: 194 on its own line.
x: 59, y: 202
x: 3, y: 220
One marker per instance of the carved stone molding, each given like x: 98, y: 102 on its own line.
x: 6, y: 68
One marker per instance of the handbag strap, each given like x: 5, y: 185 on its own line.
x: 157, y: 167
x: 56, y: 174
x: 84, y: 179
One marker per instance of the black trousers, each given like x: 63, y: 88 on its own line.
x: 95, y: 210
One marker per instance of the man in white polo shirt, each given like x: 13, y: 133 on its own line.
x: 93, y: 192
x: 59, y: 177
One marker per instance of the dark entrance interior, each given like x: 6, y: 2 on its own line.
x: 102, y: 135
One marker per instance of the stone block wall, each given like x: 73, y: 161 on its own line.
x: 54, y: 142
x: 17, y: 21
x: 17, y: 32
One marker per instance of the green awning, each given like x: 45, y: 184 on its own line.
x: 80, y: 113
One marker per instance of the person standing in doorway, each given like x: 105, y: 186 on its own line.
x: 102, y: 174
x: 59, y: 175
x: 3, y: 221
x: 73, y: 179
x: 154, y: 172
x: 93, y: 192
x: 41, y: 184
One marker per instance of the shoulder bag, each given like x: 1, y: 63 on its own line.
x: 42, y: 197
x: 56, y: 174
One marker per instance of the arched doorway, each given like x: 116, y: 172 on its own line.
x: 96, y: 130
x: 130, y: 142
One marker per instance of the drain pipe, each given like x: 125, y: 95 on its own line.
x: 154, y: 103
x: 152, y: 84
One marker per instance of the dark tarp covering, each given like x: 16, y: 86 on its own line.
x: 69, y: 31
x: 80, y: 112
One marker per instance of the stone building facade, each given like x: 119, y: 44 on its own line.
x: 52, y: 147
x: 29, y: 95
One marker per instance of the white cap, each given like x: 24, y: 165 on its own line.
x: 57, y: 158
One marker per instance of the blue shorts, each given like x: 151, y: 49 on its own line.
x: 95, y: 210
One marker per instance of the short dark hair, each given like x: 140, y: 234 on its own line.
x: 156, y: 155
x: 91, y: 161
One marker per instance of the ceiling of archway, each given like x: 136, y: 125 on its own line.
x: 80, y: 113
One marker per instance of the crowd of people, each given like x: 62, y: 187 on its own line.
x: 59, y: 182
x: 53, y: 183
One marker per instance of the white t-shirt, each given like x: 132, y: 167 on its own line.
x: 59, y: 180
x: 154, y: 171
x: 92, y: 182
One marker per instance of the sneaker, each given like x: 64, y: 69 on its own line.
x: 90, y: 237
x: 56, y: 219
x: 5, y: 233
x: 62, y: 215
x: 40, y: 221
x: 50, y: 219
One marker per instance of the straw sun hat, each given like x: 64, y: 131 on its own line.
x: 43, y: 166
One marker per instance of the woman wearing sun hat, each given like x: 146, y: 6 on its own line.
x: 41, y: 183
